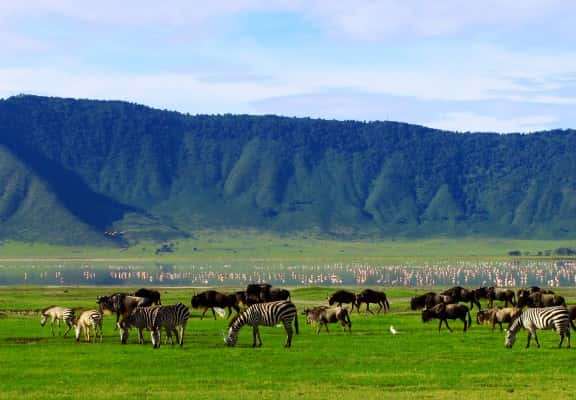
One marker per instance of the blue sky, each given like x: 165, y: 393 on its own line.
x: 494, y: 65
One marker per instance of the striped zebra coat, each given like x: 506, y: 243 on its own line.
x: 59, y: 314
x: 140, y: 318
x: 267, y: 314
x: 556, y: 318
x: 90, y: 319
x: 174, y: 319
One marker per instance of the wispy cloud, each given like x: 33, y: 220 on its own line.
x: 462, y: 121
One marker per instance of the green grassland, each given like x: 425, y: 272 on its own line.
x: 370, y: 363
x: 257, y: 246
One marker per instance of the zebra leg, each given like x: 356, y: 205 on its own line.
x: 182, y: 329
x: 52, y: 326
x: 140, y: 336
x: 69, y: 325
x: 175, y: 331
x: 255, y: 333
x: 59, y: 327
x: 288, y: 327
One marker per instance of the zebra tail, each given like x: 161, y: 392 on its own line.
x: 296, y: 323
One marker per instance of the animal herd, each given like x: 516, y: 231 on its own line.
x: 264, y: 305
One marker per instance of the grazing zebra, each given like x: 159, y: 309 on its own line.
x: 556, y: 318
x: 267, y: 314
x: 173, y: 319
x: 59, y: 314
x: 141, y: 318
x: 89, y: 319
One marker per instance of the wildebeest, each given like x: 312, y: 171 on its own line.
x: 122, y: 304
x: 523, y: 297
x: 153, y: 295
x: 498, y: 316
x: 340, y: 297
x: 444, y: 312
x: 534, y: 289
x: 460, y: 294
x: 211, y: 298
x: 89, y: 319
x: 241, y: 298
x: 372, y: 296
x: 538, y: 299
x: 59, y: 314
x: 572, y: 315
x: 481, y: 293
x: 277, y: 294
x: 323, y: 315
x: 505, y: 295
x: 429, y: 300
x: 257, y: 293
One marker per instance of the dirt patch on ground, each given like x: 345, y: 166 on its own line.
x: 22, y: 340
x: 5, y: 313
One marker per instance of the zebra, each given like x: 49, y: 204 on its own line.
x: 89, y: 319
x: 59, y: 314
x: 141, y: 318
x: 267, y: 314
x: 173, y: 319
x: 556, y: 318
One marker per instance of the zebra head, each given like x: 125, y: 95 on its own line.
x: 43, y: 319
x: 231, y: 338
x: 78, y: 329
x: 510, y: 338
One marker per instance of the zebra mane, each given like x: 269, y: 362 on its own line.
x: 517, y: 324
x: 47, y: 308
x: 233, y: 320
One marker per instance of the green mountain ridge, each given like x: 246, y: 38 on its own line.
x: 88, y: 167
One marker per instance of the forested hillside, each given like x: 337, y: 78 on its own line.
x: 71, y: 170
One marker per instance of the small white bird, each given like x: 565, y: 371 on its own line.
x: 393, y: 331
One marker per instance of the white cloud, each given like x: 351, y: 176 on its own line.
x: 470, y: 121
x: 364, y: 19
x: 376, y: 19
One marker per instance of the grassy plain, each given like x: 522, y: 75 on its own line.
x: 252, y: 246
x: 371, y: 363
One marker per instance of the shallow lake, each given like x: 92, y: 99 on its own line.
x: 549, y: 273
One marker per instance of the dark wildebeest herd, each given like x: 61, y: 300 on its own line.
x: 263, y: 305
